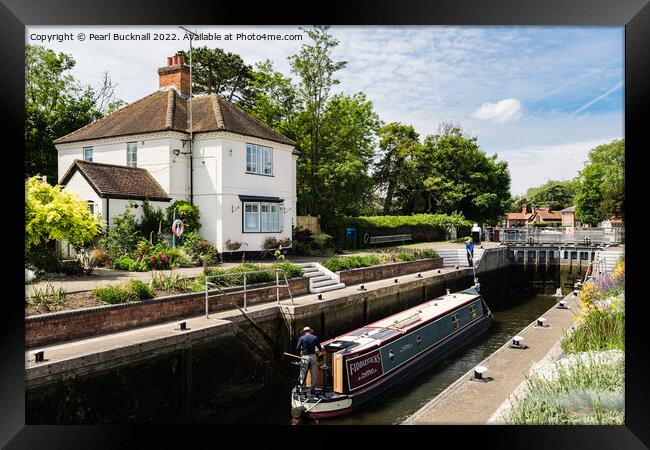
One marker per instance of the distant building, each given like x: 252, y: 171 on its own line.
x: 569, y: 217
x: 528, y: 217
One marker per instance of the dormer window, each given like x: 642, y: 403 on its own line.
x: 132, y: 154
x: 259, y: 159
x: 88, y: 154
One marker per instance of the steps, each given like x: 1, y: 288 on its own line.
x: 610, y: 257
x: 458, y: 257
x: 320, y: 278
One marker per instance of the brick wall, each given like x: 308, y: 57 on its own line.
x: 46, y: 329
x: 365, y: 274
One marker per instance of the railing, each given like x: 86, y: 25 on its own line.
x: 393, y: 238
x: 565, y: 235
x: 245, y: 286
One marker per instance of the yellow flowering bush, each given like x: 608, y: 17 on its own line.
x: 589, y: 294
x: 619, y: 271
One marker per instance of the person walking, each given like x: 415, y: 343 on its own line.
x: 309, y: 348
x: 469, y: 248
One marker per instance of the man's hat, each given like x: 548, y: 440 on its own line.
x: 306, y: 329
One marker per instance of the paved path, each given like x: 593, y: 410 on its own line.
x: 471, y: 402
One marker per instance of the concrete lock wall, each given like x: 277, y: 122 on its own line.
x: 215, y: 374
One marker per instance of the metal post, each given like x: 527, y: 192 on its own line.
x: 244, y: 291
x: 206, y: 298
x: 277, y: 286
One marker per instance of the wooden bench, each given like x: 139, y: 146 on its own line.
x: 394, y: 238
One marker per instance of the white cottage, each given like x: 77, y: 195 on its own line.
x: 238, y: 171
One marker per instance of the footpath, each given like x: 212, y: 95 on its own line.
x: 468, y: 401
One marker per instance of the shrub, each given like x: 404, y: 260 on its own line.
x: 187, y: 212
x: 178, y: 257
x: 100, y: 257
x: 158, y: 261
x: 152, y: 220
x: 351, y: 262
x: 171, y: 282
x: 138, y: 290
x: 122, y: 238
x: 143, y: 249
x: 130, y: 291
x: 130, y: 264
x: 111, y: 295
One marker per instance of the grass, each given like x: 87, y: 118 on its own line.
x: 599, y: 330
x: 583, y: 393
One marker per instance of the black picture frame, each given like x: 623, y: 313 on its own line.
x: 634, y: 15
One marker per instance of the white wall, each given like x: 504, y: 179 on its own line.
x: 231, y: 163
x: 219, y: 178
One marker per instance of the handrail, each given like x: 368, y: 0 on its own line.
x: 245, y: 285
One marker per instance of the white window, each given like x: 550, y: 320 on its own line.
x: 251, y: 217
x: 88, y: 154
x: 259, y: 159
x: 132, y: 154
x: 91, y: 207
x: 262, y: 217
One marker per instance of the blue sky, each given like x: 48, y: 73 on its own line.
x: 539, y: 97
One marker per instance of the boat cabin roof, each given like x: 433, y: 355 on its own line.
x: 377, y: 332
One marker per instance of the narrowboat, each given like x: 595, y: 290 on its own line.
x: 361, y: 364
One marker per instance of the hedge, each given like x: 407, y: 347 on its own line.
x: 421, y: 227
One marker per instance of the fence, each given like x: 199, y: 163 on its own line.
x: 311, y: 223
x: 563, y: 235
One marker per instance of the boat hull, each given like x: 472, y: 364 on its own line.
x: 326, y: 407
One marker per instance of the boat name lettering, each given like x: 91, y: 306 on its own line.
x: 356, y: 366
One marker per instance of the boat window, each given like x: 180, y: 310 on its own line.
x: 391, y: 356
x: 455, y: 320
x: 418, y: 339
x: 472, y: 310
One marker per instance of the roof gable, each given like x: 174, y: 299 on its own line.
x: 113, y: 181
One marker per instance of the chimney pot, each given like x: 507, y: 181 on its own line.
x: 180, y: 59
x: 175, y: 59
x: 170, y: 60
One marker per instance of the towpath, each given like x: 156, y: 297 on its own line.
x: 472, y: 402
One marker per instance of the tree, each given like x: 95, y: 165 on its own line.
x: 590, y: 195
x: 55, y: 105
x: 348, y: 131
x: 52, y: 214
x: 215, y: 71
x: 455, y: 175
x: 397, y: 143
x: 601, y: 184
x: 553, y: 194
x: 315, y: 68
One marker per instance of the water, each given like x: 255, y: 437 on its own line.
x: 513, y: 310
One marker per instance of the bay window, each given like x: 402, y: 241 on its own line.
x: 260, y: 217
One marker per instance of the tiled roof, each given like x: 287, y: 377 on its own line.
x: 166, y: 110
x: 518, y: 216
x: 113, y: 181
x: 545, y: 214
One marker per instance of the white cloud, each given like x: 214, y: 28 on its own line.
x: 506, y: 110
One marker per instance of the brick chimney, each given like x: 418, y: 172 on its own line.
x: 175, y: 73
